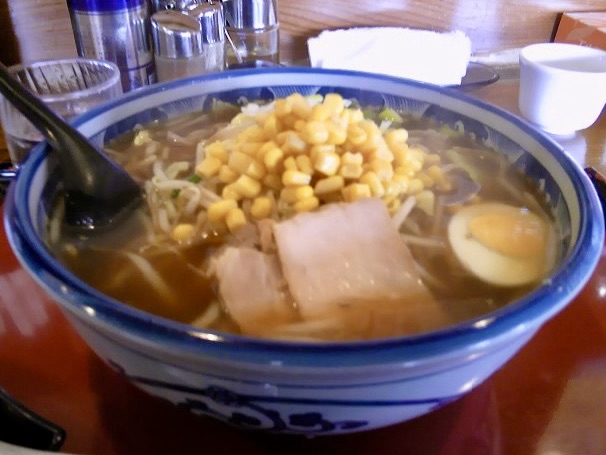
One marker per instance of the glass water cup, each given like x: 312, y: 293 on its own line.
x: 68, y: 86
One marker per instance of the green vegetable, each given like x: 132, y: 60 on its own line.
x: 391, y: 115
x: 194, y: 178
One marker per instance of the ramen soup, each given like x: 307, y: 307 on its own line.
x: 309, y: 218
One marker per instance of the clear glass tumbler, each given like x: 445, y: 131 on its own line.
x: 69, y: 87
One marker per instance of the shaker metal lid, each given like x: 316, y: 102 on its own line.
x: 176, y: 34
x: 212, y: 21
x: 176, y: 5
x: 251, y: 13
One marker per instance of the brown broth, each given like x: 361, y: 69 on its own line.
x: 113, y: 273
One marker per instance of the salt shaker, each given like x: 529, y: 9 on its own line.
x: 185, y: 46
x: 253, y: 27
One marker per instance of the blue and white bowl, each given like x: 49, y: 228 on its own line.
x: 296, y: 387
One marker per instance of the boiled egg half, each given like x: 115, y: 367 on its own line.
x: 502, y: 244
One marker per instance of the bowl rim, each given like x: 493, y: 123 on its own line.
x: 527, y: 312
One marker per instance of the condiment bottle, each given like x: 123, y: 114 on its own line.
x: 211, y: 18
x: 117, y: 31
x: 176, y: 5
x: 253, y: 27
x: 183, y: 48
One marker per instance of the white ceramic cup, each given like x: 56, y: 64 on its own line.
x: 562, y: 86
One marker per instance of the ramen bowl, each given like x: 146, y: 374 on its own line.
x: 298, y: 387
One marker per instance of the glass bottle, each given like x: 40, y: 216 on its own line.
x: 186, y: 46
x: 253, y: 27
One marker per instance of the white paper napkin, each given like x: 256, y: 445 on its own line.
x: 422, y: 55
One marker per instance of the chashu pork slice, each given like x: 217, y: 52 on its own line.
x: 350, y: 256
x: 253, y: 289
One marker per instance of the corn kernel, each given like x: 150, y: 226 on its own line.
x: 327, y: 163
x: 337, y: 134
x: 261, y: 207
x: 300, y: 106
x: 319, y: 113
x: 250, y: 148
x: 304, y: 164
x: 282, y: 107
x: 294, y: 143
x: 383, y: 169
x: 271, y: 126
x: 405, y: 171
x: 290, y: 164
x: 255, y: 170
x: 402, y: 182
x: 272, y: 158
x: 318, y: 149
x: 351, y: 171
x: 397, y: 136
x: 382, y: 152
x: 351, y: 165
x: 260, y: 118
x: 334, y: 103
x: 374, y: 183
x: 400, y: 153
x: 239, y: 162
x: 315, y: 132
x: 415, y: 186
x: 307, y: 205
x: 303, y: 192
x: 230, y: 192
x: 352, y: 158
x: 355, y: 191
x: 356, y: 135
x: 235, y: 219
x: 247, y: 186
x: 344, y: 117
x: 372, y: 143
x: 252, y: 134
x: 227, y: 174
x: 217, y: 211
x: 329, y: 185
x: 273, y: 181
x: 218, y: 150
x: 183, y: 232
x: 209, y: 167
x: 290, y: 178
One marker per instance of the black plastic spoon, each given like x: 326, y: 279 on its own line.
x: 97, y: 191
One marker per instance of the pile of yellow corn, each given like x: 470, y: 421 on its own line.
x: 302, y: 154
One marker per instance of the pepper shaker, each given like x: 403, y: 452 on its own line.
x: 253, y: 27
x: 185, y: 46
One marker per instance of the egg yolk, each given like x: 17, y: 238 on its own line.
x: 521, y: 234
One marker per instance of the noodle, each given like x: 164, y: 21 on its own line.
x: 423, y: 183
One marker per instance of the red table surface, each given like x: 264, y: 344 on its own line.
x: 550, y: 398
